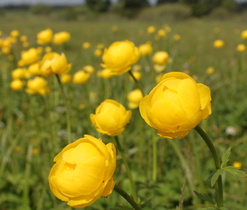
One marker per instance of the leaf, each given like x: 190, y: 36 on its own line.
x: 215, y: 177
x: 225, y: 157
x: 234, y: 171
x: 204, y: 197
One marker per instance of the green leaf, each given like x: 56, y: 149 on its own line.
x: 206, y: 208
x: 204, y: 197
x: 215, y: 177
x: 234, y: 171
x: 223, y: 208
x: 225, y: 157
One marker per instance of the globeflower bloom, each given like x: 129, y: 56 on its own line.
x: 241, y: 48
x: 37, y: 85
x: 29, y: 56
x: 244, y: 34
x: 110, y: 117
x: 145, y: 49
x: 134, y: 98
x: 120, y: 56
x: 17, y: 84
x: 81, y: 77
x: 45, y: 36
x: 83, y: 172
x: 161, y: 58
x: 54, y: 63
x: 61, y: 37
x: 219, y: 43
x: 176, y: 105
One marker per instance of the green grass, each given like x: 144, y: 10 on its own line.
x: 31, y: 122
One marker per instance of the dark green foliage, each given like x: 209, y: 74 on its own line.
x: 41, y: 9
x: 98, y: 6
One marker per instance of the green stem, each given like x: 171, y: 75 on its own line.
x: 132, y: 184
x: 127, y: 197
x: 136, y: 81
x: 67, y: 108
x: 154, y: 159
x: 216, y: 158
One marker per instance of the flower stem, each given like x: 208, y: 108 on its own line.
x: 132, y: 184
x: 67, y: 108
x: 154, y: 159
x: 136, y: 81
x: 216, y: 157
x: 127, y: 197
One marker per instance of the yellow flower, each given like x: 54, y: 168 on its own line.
x: 6, y: 50
x: 134, y: 98
x: 29, y: 56
x: 120, y: 56
x: 23, y: 38
x: 17, y: 84
x: 218, y: 43
x: 237, y: 164
x: 18, y: 73
x: 114, y: 28
x: 161, y: 33
x: 86, y: 45
x: 66, y: 78
x: 241, y: 48
x: 81, y: 77
x: 161, y: 58
x: 176, y: 105
x: 37, y: 85
x: 110, y: 117
x: 137, y: 75
x: 54, y: 63
x: 176, y: 37
x: 14, y: 33
x: 83, y: 172
x: 98, y: 52
x: 61, y: 37
x: 145, y: 49
x: 244, y: 34
x: 210, y: 70
x: 105, y: 73
x: 151, y: 29
x: 88, y: 68
x: 33, y: 69
x: 45, y: 36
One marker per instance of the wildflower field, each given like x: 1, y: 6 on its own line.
x: 110, y: 113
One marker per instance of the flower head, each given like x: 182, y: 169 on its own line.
x: 29, y: 56
x: 54, y: 63
x: 145, y: 49
x: 176, y: 105
x: 219, y: 43
x: 120, y: 56
x: 83, y: 172
x: 134, y: 98
x: 45, y: 36
x: 61, y: 37
x: 37, y: 85
x: 110, y: 117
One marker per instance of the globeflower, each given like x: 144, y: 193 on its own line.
x: 54, y: 63
x: 161, y: 58
x: 120, y: 56
x: 81, y: 77
x: 45, y: 36
x: 134, y: 98
x: 61, y: 37
x: 244, y: 34
x: 110, y: 118
x: 83, y: 172
x: 145, y: 49
x: 37, y: 85
x: 219, y: 43
x: 176, y: 105
x: 17, y: 84
x: 241, y: 48
x: 29, y: 56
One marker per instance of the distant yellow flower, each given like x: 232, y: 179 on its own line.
x: 61, y: 37
x: 151, y: 29
x: 14, y: 33
x: 18, y: 73
x: 161, y: 33
x: 136, y: 67
x: 98, y: 52
x: 120, y: 56
x: 219, y: 43
x: 48, y: 49
x: 65, y: 78
x: 210, y: 70
x: 6, y: 50
x: 110, y: 118
x: 161, y: 58
x: 176, y: 105
x: 137, y: 75
x: 134, y: 98
x: 176, y: 37
x: 23, y: 38
x: 83, y: 172
x: 37, y: 85
x: 241, y: 48
x: 86, y: 45
x: 54, y: 63
x: 145, y: 49
x: 105, y: 73
x: 34, y: 69
x: 17, y: 85
x: 81, y: 77
x: 244, y: 34
x: 45, y: 36
x: 237, y: 164
x: 88, y: 68
x: 29, y: 56
x: 114, y: 28
x: 35, y: 151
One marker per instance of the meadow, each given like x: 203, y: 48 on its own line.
x: 167, y: 173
